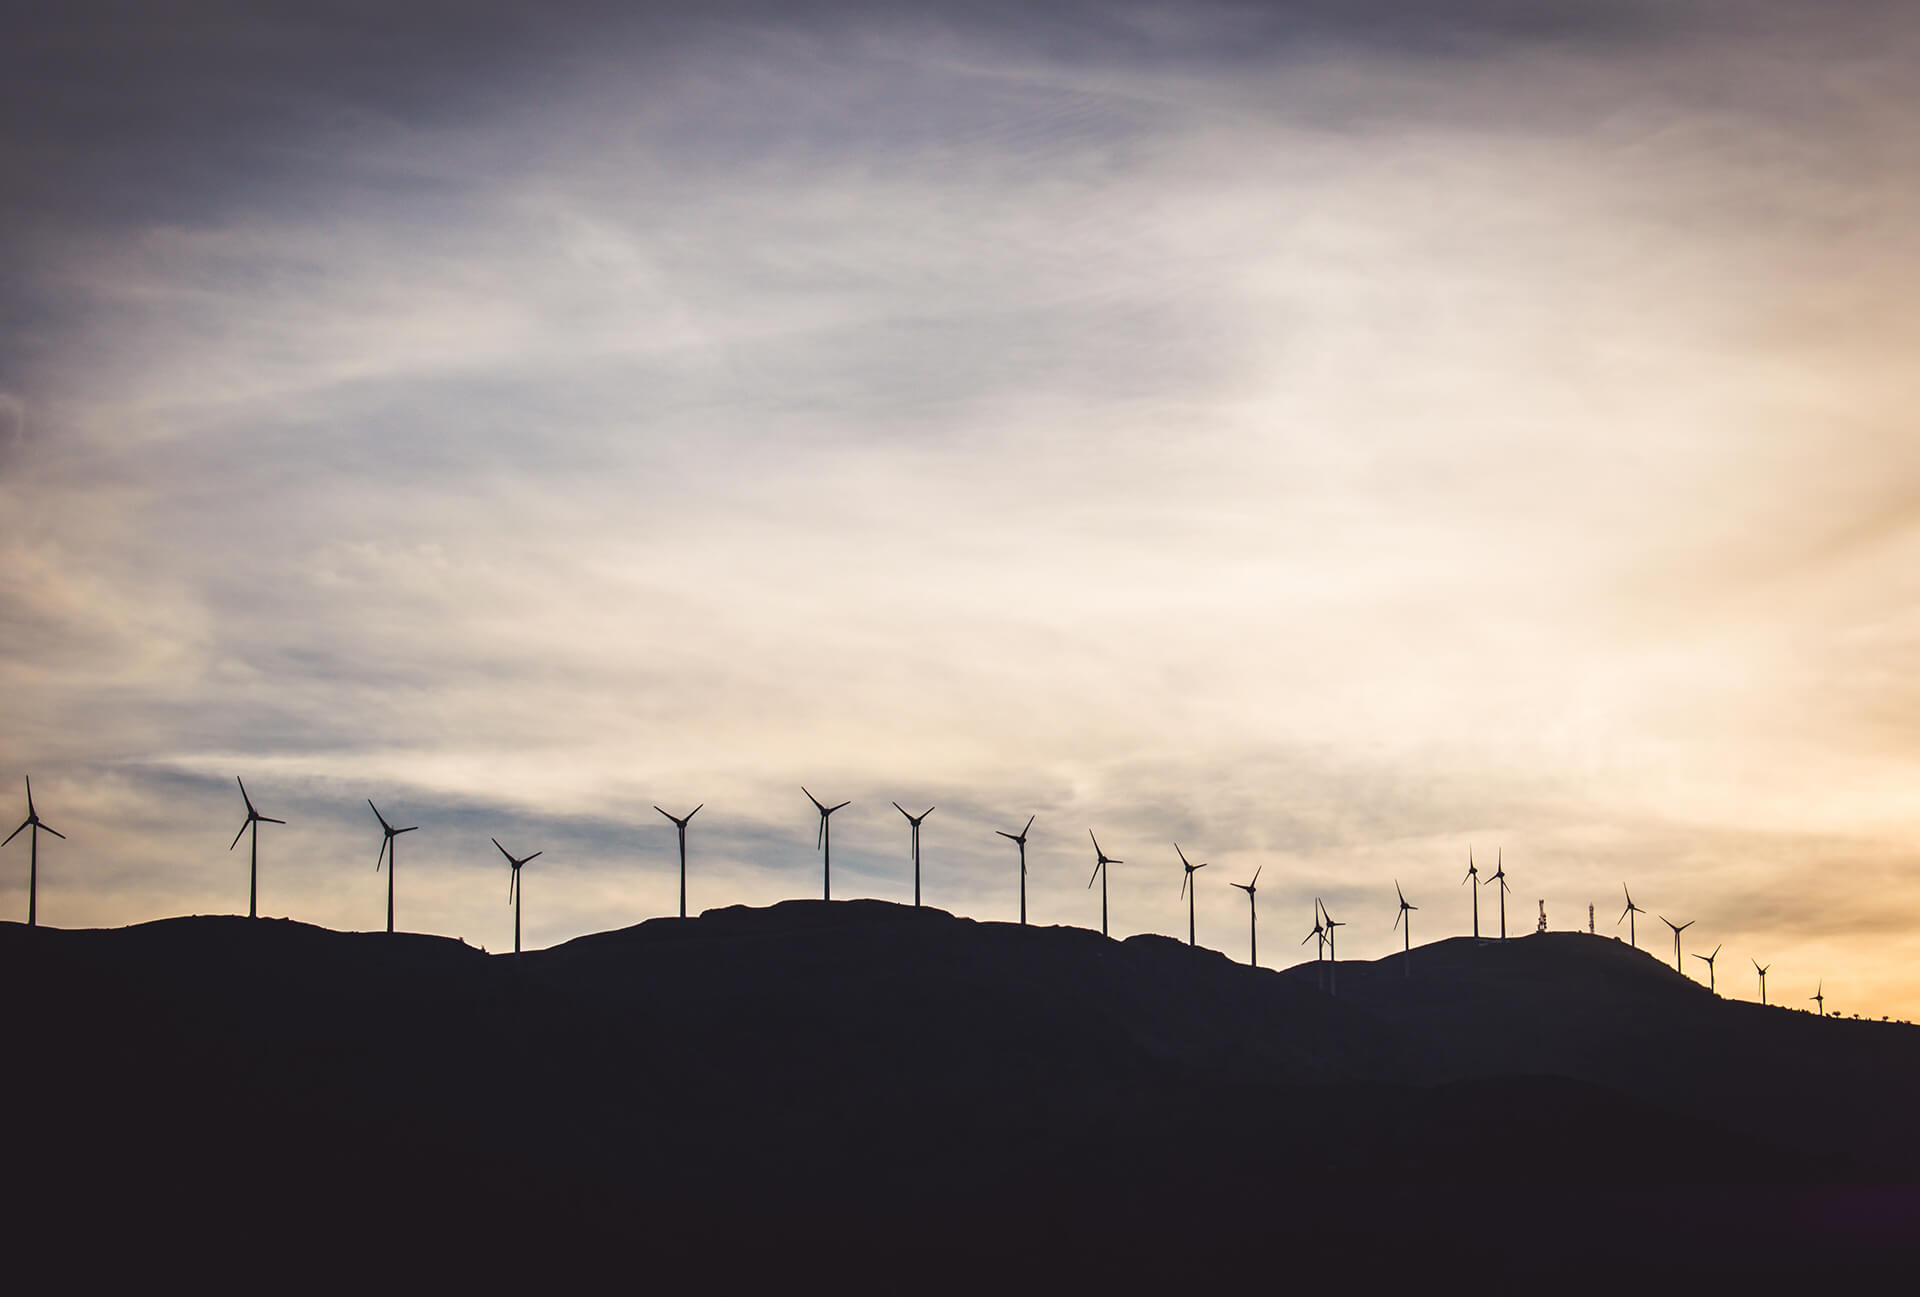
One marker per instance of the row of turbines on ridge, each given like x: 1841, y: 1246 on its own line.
x: 1323, y: 931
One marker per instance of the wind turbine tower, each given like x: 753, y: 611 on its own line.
x: 1677, y: 930
x: 253, y: 821
x: 1708, y: 961
x: 1762, y: 970
x: 1187, y: 889
x: 386, y: 854
x: 1473, y: 877
x: 914, y: 822
x: 1020, y: 840
x: 823, y: 842
x: 680, y: 830
x: 1628, y: 914
x: 513, y: 889
x: 1401, y: 920
x: 1100, y: 871
x: 33, y: 822
x: 1253, y: 919
x: 1500, y: 878
x: 1333, y: 950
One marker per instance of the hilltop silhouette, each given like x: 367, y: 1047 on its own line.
x: 874, y: 1091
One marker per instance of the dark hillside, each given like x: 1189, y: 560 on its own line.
x: 855, y: 1087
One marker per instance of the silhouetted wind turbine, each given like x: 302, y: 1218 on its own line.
x: 1500, y: 877
x: 1763, y: 978
x: 1186, y: 887
x: 914, y: 820
x: 1406, y: 938
x: 386, y: 854
x: 33, y: 822
x: 680, y: 831
x: 1020, y: 840
x: 1253, y: 919
x: 253, y: 821
x: 513, y: 889
x: 1101, y: 861
x: 1819, y: 997
x: 1319, y: 931
x: 1677, y: 930
x: 1333, y: 949
x: 1628, y: 914
x: 823, y: 842
x: 1473, y: 876
x: 1708, y: 960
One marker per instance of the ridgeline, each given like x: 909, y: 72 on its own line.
x: 900, y: 1098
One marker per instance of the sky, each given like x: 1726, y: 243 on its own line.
x: 1332, y: 437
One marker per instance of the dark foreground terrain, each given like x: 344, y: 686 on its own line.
x: 866, y: 1096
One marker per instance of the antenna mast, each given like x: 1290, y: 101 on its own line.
x: 1542, y: 925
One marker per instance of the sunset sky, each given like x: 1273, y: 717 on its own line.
x: 1327, y: 435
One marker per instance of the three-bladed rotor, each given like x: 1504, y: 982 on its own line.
x: 34, y: 821
x: 513, y: 884
x: 386, y: 843
x: 1190, y: 868
x: 253, y: 817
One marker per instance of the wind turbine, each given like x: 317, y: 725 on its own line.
x: 1677, y: 930
x: 1319, y: 931
x: 1020, y: 840
x: 1333, y: 950
x: 386, y: 854
x: 33, y: 822
x: 1628, y: 914
x: 1500, y: 877
x: 1708, y: 960
x: 1406, y: 938
x: 914, y: 820
x: 1473, y: 876
x: 1763, y: 978
x: 1819, y: 997
x: 253, y: 821
x: 680, y: 831
x: 823, y: 842
x: 1253, y: 920
x: 1101, y: 861
x: 1187, y: 889
x: 513, y: 889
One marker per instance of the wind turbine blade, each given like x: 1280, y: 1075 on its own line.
x: 382, y: 855
x: 503, y: 850
x: 1183, y: 882
x: 820, y: 831
x: 812, y: 798
x: 1256, y: 877
x: 1023, y: 832
x: 270, y: 820
x: 1182, y: 855
x: 695, y: 811
x: 1008, y: 836
x: 842, y: 806
x: 903, y: 810
x: 378, y: 816
x: 409, y: 829
x: 23, y: 824
x: 1096, y: 873
x: 50, y: 829
x: 241, y: 834
x: 243, y: 794
x: 657, y: 808
x: 536, y: 855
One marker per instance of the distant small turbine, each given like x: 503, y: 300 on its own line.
x: 1708, y: 961
x: 33, y: 822
x: 1333, y: 949
x: 1101, y: 861
x: 253, y: 821
x: 1319, y: 933
x: 914, y: 820
x: 1406, y: 938
x: 386, y: 854
x: 1762, y: 970
x: 1819, y: 997
x: 680, y: 831
x: 823, y: 842
x: 1186, y: 887
x: 1473, y: 876
x: 1628, y: 914
x: 1253, y: 919
x: 513, y: 889
x: 1020, y: 840
x: 1677, y: 930
x: 1500, y: 877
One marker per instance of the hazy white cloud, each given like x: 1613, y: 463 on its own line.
x: 1323, y: 449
